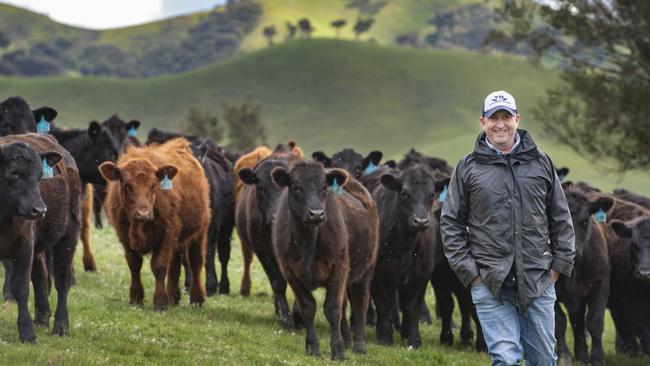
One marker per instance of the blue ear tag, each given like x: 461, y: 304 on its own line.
x: 369, y: 169
x: 43, y: 126
x: 336, y: 188
x: 443, y: 195
x: 133, y: 132
x: 600, y: 216
x: 561, y: 177
x: 166, y: 184
x: 48, y: 172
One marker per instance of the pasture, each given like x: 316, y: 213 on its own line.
x: 227, y: 330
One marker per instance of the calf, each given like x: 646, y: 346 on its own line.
x: 218, y: 171
x: 406, y: 256
x: 151, y: 216
x: 323, y: 238
x: 20, y: 204
x: 587, y: 290
x: 254, y: 216
x: 56, y: 234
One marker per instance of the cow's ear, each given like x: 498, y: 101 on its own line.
x: 562, y: 172
x: 133, y: 125
x: 391, y: 164
x: 391, y: 182
x: 247, y: 176
x: 621, y: 229
x: 94, y: 129
x: 51, y: 157
x: 566, y: 185
x: 442, y: 184
x: 168, y: 171
x: 340, y: 175
x: 280, y: 177
x: 47, y: 112
x: 110, y: 171
x: 601, y: 203
x: 322, y: 158
x: 374, y: 157
x: 437, y: 212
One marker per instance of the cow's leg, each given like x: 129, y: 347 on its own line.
x: 411, y: 298
x: 99, y: 194
x: 86, y: 212
x: 41, y: 289
x: 563, y: 354
x: 307, y: 305
x: 596, y: 323
x: 333, y: 306
x: 577, y: 318
x: 19, y: 283
x: 223, y: 247
x: 625, y: 337
x: 136, y: 292
x: 159, y: 264
x: 465, y: 304
x: 62, y: 255
x: 345, y: 326
x: 371, y: 317
x: 359, y: 300
x: 445, y: 305
x: 383, y: 294
x: 211, y: 281
x: 425, y: 315
x: 196, y: 255
x: 247, y: 256
x: 187, y: 270
x: 279, y: 286
x: 173, y: 278
x: 6, y: 287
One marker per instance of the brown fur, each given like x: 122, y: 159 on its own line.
x: 86, y: 213
x: 178, y: 223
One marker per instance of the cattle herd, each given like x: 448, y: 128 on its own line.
x: 366, y: 231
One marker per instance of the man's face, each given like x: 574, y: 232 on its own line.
x: 500, y: 128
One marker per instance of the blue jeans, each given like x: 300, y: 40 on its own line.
x: 506, y: 330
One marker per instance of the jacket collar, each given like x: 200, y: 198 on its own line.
x: 524, y: 152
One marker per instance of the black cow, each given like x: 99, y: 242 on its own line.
x: 350, y: 160
x: 254, y: 216
x: 630, y: 285
x: 585, y: 293
x: 626, y: 195
x: 56, y: 234
x: 16, y: 117
x: 325, y: 235
x: 406, y: 256
x: 218, y: 171
x: 20, y: 204
x: 414, y: 157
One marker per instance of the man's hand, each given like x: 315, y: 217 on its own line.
x: 554, y: 275
x: 476, y: 280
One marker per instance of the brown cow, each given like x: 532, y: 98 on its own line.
x: 326, y: 239
x: 167, y: 222
x: 249, y: 161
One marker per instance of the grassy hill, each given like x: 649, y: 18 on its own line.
x: 331, y: 94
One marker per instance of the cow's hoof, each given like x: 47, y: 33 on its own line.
x: 42, y: 318
x: 359, y: 347
x: 312, y: 348
x: 447, y: 339
x: 89, y: 265
x: 224, y: 288
x: 338, y: 351
x: 60, y: 329
x: 32, y: 339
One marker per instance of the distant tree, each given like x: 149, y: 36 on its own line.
x: 245, y: 130
x: 362, y: 25
x: 338, y: 24
x: 269, y: 33
x: 291, y: 30
x: 305, y: 27
x: 4, y: 40
x: 202, y: 123
x: 409, y: 39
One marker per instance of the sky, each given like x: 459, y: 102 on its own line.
x: 104, y: 14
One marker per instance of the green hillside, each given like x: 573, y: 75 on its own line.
x: 331, y: 94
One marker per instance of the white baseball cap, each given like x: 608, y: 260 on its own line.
x: 497, y: 101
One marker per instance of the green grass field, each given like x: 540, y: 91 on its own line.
x: 227, y: 330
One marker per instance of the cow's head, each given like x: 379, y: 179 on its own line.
x: 266, y: 193
x: 120, y: 130
x: 17, y: 118
x: 638, y: 232
x: 21, y: 170
x: 416, y: 191
x: 308, y: 186
x: 102, y: 148
x: 348, y: 159
x: 139, y: 182
x: 582, y: 209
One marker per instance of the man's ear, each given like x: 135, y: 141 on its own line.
x: 247, y: 176
x: 281, y: 177
x: 391, y: 182
x: 110, y: 171
x: 322, y: 158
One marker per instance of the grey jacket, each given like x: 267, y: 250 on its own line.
x: 505, y: 209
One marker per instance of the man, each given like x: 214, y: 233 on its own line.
x: 507, y: 231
